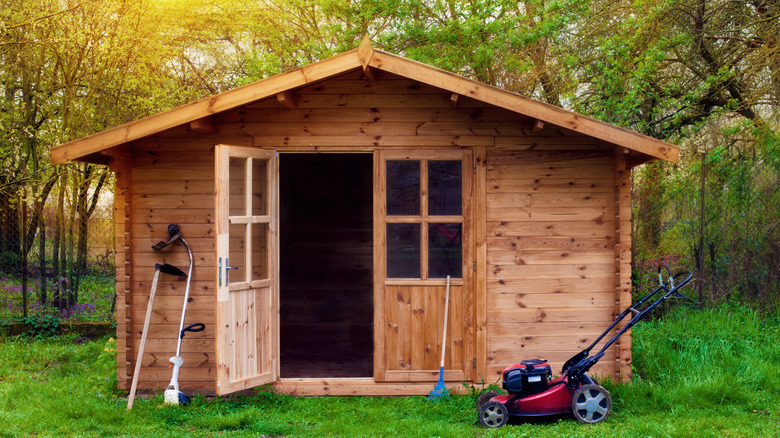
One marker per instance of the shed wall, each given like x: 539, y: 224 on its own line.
x: 551, y: 254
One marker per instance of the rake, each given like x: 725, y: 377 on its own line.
x: 440, y: 391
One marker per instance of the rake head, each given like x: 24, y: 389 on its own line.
x: 440, y: 390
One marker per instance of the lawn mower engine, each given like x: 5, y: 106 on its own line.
x: 527, y: 376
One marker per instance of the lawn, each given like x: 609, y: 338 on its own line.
x: 697, y: 373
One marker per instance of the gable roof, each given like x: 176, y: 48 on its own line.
x: 367, y: 58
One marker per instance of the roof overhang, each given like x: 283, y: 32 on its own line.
x: 94, y: 148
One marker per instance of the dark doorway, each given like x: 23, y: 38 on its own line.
x: 326, y: 265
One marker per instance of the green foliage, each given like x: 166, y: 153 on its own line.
x: 10, y: 261
x: 41, y: 326
x: 701, y: 74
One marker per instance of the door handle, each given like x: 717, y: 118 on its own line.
x: 228, y: 268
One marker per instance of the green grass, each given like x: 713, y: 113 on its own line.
x: 697, y: 373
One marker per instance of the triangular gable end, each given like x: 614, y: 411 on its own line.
x: 368, y: 59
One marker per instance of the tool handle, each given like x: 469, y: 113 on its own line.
x: 446, y: 314
x: 144, y: 334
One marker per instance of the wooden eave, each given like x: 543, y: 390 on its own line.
x: 367, y: 58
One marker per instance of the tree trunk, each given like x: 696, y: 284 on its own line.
x: 24, y: 257
x: 85, y: 206
x: 38, y: 212
x: 59, y: 218
x: 71, y: 253
x: 10, y: 244
x: 650, y: 203
x: 702, y: 212
x: 42, y: 263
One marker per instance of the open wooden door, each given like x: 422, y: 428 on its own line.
x: 422, y: 233
x: 247, y: 311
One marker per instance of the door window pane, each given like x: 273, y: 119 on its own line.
x: 403, y: 251
x: 445, y: 250
x: 403, y: 188
x: 259, y: 251
x: 237, y: 254
x: 237, y: 202
x: 444, y: 188
x: 259, y: 187
x: 237, y: 197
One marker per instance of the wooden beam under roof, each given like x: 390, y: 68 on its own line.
x: 454, y: 100
x: 537, y: 126
x: 204, y: 125
x: 287, y: 99
x: 370, y: 73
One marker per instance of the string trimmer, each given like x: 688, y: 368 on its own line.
x: 172, y: 393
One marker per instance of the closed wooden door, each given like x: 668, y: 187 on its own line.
x: 247, y: 316
x: 422, y: 233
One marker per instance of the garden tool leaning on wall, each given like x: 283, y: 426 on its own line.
x: 172, y: 393
x: 158, y: 268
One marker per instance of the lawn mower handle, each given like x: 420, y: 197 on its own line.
x: 581, y: 362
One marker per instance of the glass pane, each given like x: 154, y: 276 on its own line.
x: 238, y: 251
x: 238, y: 181
x: 403, y: 188
x: 237, y: 175
x: 259, y: 251
x: 237, y: 257
x: 445, y: 256
x: 259, y: 187
x: 403, y: 251
x: 444, y: 188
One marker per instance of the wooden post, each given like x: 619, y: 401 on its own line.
x: 622, y: 239
x: 480, y: 280
x: 121, y: 163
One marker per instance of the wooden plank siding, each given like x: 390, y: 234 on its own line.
x: 547, y: 208
x: 550, y: 250
x: 124, y: 269
x: 172, y: 182
x: 420, y: 310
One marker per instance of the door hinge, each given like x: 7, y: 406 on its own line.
x: 475, y: 167
x: 475, y: 266
x: 475, y: 363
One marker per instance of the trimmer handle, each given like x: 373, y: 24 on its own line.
x: 197, y: 327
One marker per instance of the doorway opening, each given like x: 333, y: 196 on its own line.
x: 326, y: 265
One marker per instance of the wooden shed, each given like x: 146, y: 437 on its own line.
x: 344, y: 192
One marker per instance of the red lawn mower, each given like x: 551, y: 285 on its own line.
x: 531, y: 391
